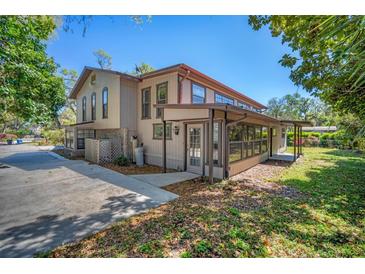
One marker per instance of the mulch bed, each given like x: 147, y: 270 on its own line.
x: 134, y: 169
x: 259, y: 176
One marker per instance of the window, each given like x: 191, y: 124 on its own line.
x: 197, y: 94
x: 70, y: 139
x: 158, y: 131
x: 246, y: 106
x: 283, y: 132
x: 246, y: 141
x: 264, y: 140
x: 84, y: 108
x: 161, y: 97
x: 235, y: 151
x: 82, y: 134
x: 274, y: 132
x: 219, y: 98
x: 93, y: 106
x: 243, y: 105
x: 146, y: 103
x: 105, y: 99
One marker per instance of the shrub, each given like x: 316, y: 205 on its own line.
x: 121, y: 161
x: 54, y: 137
x: 8, y: 136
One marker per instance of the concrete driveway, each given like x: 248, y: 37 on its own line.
x: 46, y: 200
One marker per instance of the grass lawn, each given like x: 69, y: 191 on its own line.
x: 325, y: 217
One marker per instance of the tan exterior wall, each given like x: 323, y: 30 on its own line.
x: 103, y: 79
x: 209, y: 96
x: 128, y: 104
x: 186, y: 92
x: 153, y: 148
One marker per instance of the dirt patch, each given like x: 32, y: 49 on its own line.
x: 134, y: 169
x: 66, y: 155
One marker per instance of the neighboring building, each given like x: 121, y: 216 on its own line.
x: 320, y: 129
x: 185, y: 102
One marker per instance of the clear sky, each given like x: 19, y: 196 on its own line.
x: 223, y: 47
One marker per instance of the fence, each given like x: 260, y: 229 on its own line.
x: 103, y: 151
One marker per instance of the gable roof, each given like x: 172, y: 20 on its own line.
x: 182, y: 69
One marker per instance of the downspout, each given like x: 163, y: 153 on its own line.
x: 180, y: 86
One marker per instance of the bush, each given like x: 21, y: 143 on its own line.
x: 54, y: 137
x: 121, y: 161
x: 7, y: 136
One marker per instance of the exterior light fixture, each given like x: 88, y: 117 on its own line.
x: 176, y: 130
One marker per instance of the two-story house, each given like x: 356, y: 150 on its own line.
x: 210, y: 129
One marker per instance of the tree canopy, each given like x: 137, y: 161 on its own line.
x: 142, y: 68
x: 327, y: 57
x: 30, y: 88
x: 296, y: 107
x: 103, y: 59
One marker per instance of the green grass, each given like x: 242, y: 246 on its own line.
x: 327, y: 219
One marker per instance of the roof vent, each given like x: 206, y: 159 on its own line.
x: 93, y: 79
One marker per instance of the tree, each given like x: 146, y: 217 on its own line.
x: 69, y: 79
x: 103, y: 59
x: 296, y: 107
x: 142, y: 68
x: 327, y: 56
x: 68, y: 21
x: 30, y: 88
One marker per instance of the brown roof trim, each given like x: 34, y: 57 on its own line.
x: 201, y: 77
x: 161, y: 71
x: 227, y: 89
x: 81, y: 123
x: 223, y: 107
x: 87, y: 71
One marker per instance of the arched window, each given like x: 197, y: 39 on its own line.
x: 93, y: 106
x: 84, y: 108
x: 105, y: 102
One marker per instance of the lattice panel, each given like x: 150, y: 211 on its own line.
x: 109, y: 150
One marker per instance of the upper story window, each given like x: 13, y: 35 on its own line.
x: 161, y: 97
x: 93, y: 106
x: 105, y: 99
x: 146, y: 103
x: 84, y: 108
x: 246, y: 106
x: 197, y: 94
x: 219, y: 98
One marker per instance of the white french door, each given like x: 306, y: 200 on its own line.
x: 195, y: 148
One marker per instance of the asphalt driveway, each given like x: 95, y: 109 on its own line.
x: 46, y: 200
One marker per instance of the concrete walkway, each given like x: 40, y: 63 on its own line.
x: 46, y: 200
x: 164, y: 179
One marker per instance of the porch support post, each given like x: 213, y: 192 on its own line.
x: 225, y: 146
x: 210, y: 145
x: 163, y: 141
x: 294, y: 142
x: 301, y: 141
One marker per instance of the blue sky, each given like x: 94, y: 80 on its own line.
x: 223, y: 47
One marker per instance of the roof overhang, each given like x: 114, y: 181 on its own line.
x: 201, y: 111
x: 86, y: 73
x: 81, y: 124
x: 296, y: 123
